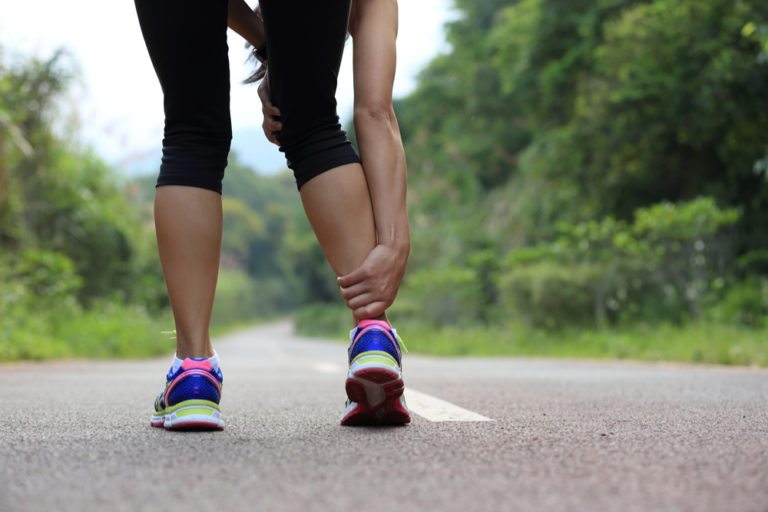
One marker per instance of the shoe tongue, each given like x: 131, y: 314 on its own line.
x: 367, y: 323
x: 196, y: 362
x: 377, y: 323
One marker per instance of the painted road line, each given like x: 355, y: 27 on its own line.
x: 426, y: 406
x: 434, y: 409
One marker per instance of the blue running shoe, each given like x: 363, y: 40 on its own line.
x: 191, y: 398
x: 375, y: 381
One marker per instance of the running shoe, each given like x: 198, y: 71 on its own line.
x: 375, y: 381
x: 191, y: 398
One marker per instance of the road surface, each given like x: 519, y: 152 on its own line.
x: 532, y: 435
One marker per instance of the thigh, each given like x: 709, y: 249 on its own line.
x: 305, y: 40
x: 187, y: 42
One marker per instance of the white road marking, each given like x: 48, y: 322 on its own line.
x: 434, y: 409
x: 426, y: 406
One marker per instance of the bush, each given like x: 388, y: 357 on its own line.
x: 440, y: 296
x: 49, y: 276
x: 659, y: 268
x: 744, y: 303
x: 550, y: 295
x: 105, y: 330
x: 35, y: 285
x: 42, y: 319
x: 109, y: 329
x: 323, y: 319
x: 241, y: 299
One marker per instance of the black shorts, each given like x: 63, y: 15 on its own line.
x: 187, y: 42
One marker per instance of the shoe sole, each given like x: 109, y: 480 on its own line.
x: 190, y: 415
x: 376, y: 398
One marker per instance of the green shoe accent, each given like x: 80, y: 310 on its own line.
x: 400, y: 341
x: 189, y: 403
x: 188, y: 412
x: 375, y: 356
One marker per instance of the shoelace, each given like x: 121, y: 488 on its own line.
x: 400, y: 340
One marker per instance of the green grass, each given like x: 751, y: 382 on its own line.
x: 64, y: 330
x: 108, y: 331
x: 695, y: 343
x: 104, y: 331
x: 112, y: 331
x: 701, y: 342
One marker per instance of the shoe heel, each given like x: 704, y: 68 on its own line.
x: 194, y: 415
x: 378, y: 394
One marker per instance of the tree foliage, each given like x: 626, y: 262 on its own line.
x: 581, y: 162
x: 595, y: 108
x: 56, y: 197
x: 551, y: 122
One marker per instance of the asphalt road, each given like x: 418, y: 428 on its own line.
x: 577, y: 436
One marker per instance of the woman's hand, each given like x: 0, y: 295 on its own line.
x: 372, y: 288
x: 271, y: 124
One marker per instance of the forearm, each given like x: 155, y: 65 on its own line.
x: 384, y: 164
x: 373, y: 25
x: 243, y: 20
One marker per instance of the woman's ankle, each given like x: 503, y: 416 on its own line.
x: 381, y: 318
x: 201, y: 349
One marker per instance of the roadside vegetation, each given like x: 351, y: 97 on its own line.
x: 79, y: 272
x: 587, y: 179
x: 590, y: 179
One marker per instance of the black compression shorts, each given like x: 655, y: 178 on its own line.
x: 187, y: 42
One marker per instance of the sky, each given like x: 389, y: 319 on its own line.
x: 119, y: 99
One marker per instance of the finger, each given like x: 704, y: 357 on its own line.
x: 352, y: 278
x: 269, y: 110
x: 271, y: 124
x: 372, y: 310
x: 264, y: 97
x: 360, y: 301
x: 354, y: 291
x: 268, y: 133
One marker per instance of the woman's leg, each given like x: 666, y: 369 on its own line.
x: 187, y: 43
x: 305, y: 40
x: 338, y: 207
x: 188, y: 221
